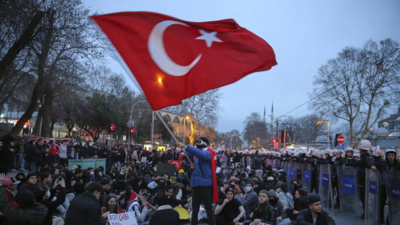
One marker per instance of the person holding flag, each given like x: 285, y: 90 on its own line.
x: 204, y: 178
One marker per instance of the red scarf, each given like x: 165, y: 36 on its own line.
x: 214, y: 175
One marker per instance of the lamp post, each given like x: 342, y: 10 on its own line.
x: 130, y: 122
x: 184, y: 128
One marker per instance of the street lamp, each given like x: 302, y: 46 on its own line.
x: 130, y: 123
x: 321, y: 122
x: 184, y: 128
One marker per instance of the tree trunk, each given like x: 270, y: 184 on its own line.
x: 37, y: 92
x: 20, y: 44
x: 47, y: 115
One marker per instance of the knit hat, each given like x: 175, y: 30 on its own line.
x: 25, y: 199
x: 313, y: 198
x: 229, y: 189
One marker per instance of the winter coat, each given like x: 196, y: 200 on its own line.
x: 6, y: 156
x: 280, y: 210
x: 52, y: 205
x: 250, y: 202
x: 63, y: 151
x: 268, y: 216
x: 259, y: 163
x: 202, y: 174
x: 37, y: 154
x: 366, y: 160
x: 21, y: 216
x: 165, y: 215
x: 305, y: 218
x: 283, y: 198
x: 84, y: 209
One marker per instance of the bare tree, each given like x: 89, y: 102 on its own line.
x: 359, y: 85
x: 308, y: 128
x: 255, y: 130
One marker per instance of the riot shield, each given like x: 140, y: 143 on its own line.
x: 272, y: 162
x: 249, y: 161
x: 349, y: 192
x: 372, y: 197
x: 393, y: 193
x: 306, y: 181
x: 299, y: 171
x: 290, y: 174
x: 325, y: 187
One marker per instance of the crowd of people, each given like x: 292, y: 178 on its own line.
x: 249, y: 191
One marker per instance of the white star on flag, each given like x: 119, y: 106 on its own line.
x: 208, y: 37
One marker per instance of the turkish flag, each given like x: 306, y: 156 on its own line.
x: 177, y: 163
x: 173, y: 59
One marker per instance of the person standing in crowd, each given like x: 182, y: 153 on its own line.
x: 365, y: 162
x: 204, y: 180
x: 6, y: 154
x: 259, y: 164
x: 389, y: 164
x: 54, y: 150
x: 85, y: 208
x: 37, y: 155
x: 63, y: 153
x: 314, y: 214
x: 20, y: 154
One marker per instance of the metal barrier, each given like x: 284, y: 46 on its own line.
x: 349, y: 192
x: 372, y: 197
x: 290, y: 175
x: 393, y: 193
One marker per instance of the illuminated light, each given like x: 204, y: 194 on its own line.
x: 320, y: 122
x: 159, y: 80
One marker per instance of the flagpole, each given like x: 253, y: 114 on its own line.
x: 173, y: 136
x: 124, y: 66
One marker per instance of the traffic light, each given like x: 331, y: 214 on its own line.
x: 132, y: 130
x: 112, y: 128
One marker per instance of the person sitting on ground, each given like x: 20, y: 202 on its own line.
x: 285, y: 197
x: 229, y: 211
x: 281, y: 215
x: 314, y: 214
x: 300, y: 203
x: 85, y: 208
x: 30, y: 184
x: 42, y: 196
x: 249, y: 200
x: 264, y: 213
x: 165, y: 214
x: 110, y: 204
x: 139, y: 206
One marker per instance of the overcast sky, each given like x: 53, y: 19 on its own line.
x: 303, y: 34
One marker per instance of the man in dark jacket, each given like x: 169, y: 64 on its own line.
x: 264, y: 213
x: 250, y: 199
x: 165, y: 214
x: 6, y: 154
x: 259, y: 164
x: 314, y: 214
x: 37, y: 153
x: 85, y: 208
x: 366, y: 160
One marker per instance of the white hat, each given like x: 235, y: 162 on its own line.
x: 365, y: 145
x: 356, y: 155
x: 376, y: 151
x: 348, y: 149
x: 390, y: 149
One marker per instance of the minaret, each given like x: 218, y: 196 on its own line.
x: 265, y: 116
x: 272, y: 117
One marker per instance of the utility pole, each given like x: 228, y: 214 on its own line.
x: 152, y: 130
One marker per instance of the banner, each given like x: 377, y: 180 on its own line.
x: 127, y: 218
x: 166, y: 168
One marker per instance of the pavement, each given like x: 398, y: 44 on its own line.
x: 337, y: 216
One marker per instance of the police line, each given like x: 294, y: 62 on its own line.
x: 330, y: 182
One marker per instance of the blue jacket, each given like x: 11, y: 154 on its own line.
x: 201, y: 175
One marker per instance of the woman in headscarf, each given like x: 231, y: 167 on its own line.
x: 110, y: 204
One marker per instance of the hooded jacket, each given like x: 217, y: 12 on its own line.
x: 280, y: 210
x: 16, y: 216
x: 250, y: 202
x: 237, y: 189
x: 267, y: 217
x: 84, y: 209
x: 259, y: 163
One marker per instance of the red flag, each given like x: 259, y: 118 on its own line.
x: 214, y: 175
x: 177, y: 163
x: 134, y: 195
x: 173, y: 59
